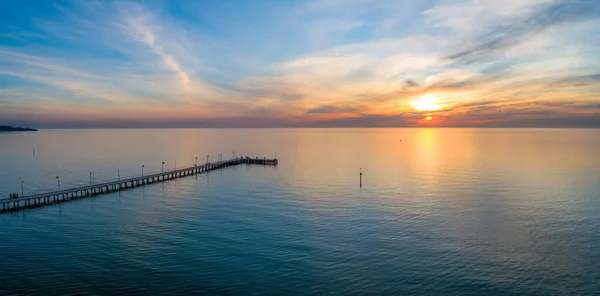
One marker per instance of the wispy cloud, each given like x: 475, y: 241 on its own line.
x: 135, y: 23
x: 314, y: 63
x: 535, y: 19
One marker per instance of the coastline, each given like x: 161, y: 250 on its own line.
x: 8, y: 128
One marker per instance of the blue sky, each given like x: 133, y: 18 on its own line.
x: 300, y: 63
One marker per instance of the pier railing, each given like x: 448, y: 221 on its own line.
x: 42, y: 199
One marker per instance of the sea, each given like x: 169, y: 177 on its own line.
x: 439, y: 212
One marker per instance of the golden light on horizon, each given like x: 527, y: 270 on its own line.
x: 429, y: 119
x: 426, y: 103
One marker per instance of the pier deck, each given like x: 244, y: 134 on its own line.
x: 43, y: 199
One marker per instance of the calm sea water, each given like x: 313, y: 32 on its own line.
x: 441, y: 211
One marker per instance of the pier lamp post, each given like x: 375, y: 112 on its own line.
x: 207, y: 159
x: 119, y: 175
x: 142, y: 170
x: 175, y: 164
x: 196, y: 163
x: 162, y: 167
x: 58, y: 181
x: 90, y: 178
x: 22, y: 187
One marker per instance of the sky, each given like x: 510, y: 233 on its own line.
x: 321, y: 63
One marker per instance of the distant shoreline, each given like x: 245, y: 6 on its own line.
x: 8, y: 128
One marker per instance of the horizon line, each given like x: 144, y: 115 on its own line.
x: 316, y: 127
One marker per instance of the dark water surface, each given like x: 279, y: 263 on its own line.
x: 446, y: 211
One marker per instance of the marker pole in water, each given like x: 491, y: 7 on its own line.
x: 361, y: 177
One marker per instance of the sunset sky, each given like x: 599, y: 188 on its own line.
x: 329, y: 63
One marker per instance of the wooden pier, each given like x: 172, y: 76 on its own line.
x: 43, y: 199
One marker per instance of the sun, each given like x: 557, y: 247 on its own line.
x: 426, y: 103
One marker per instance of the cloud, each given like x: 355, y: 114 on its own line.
x: 55, y: 76
x: 580, y: 80
x: 349, y: 63
x: 332, y: 109
x: 589, y: 106
x: 135, y: 22
x: 522, y: 26
x: 411, y: 83
x: 364, y: 120
x: 520, y: 119
x: 121, y: 69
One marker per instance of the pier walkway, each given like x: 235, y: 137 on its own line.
x: 43, y: 199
